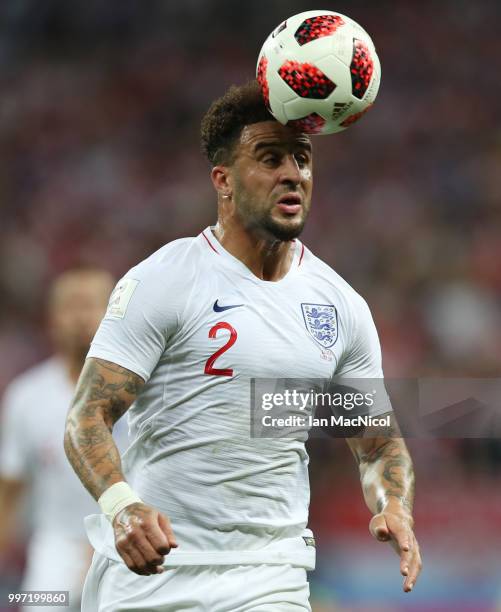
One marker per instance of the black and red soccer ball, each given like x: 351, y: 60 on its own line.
x: 319, y: 71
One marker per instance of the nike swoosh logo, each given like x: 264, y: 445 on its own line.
x: 218, y: 308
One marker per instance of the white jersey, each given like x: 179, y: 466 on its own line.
x: 31, y: 449
x: 196, y: 325
x: 33, y: 417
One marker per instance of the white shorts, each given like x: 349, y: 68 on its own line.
x: 111, y: 587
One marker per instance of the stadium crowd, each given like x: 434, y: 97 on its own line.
x: 100, y: 164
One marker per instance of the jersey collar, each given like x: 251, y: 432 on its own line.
x: 212, y: 245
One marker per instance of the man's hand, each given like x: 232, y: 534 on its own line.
x: 387, y: 478
x: 142, y: 537
x: 395, y: 525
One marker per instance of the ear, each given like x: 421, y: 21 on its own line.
x: 221, y: 179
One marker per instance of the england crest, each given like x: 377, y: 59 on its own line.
x: 321, y: 322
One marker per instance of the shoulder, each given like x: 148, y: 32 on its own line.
x: 28, y: 383
x: 164, y: 273
x: 180, y: 256
x: 155, y: 291
x: 323, y: 273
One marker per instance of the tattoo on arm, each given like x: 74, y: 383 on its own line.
x: 104, y: 393
x: 396, y: 474
x: 386, y: 472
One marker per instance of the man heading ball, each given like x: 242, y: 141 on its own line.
x: 201, y: 516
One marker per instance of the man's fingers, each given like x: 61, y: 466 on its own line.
x: 137, y: 551
x: 405, y: 562
x: 166, y: 528
x: 138, y: 562
x: 401, y: 543
x: 131, y: 555
x: 402, y: 548
x: 398, y: 531
x: 392, y: 527
x: 401, y: 536
x: 157, y: 538
x: 143, y: 536
x: 128, y: 559
x: 414, y: 570
x: 379, y: 528
x: 136, y: 538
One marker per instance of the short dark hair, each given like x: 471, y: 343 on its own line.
x: 222, y: 124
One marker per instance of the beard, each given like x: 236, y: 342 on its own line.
x: 260, y: 221
x: 282, y: 231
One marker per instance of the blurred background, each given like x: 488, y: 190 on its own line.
x: 99, y: 163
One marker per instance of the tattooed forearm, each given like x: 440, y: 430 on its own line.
x: 389, y: 472
x: 104, y: 393
x: 386, y: 472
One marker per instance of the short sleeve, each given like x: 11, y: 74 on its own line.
x: 362, y: 358
x: 362, y: 361
x: 143, y: 312
x: 14, y: 454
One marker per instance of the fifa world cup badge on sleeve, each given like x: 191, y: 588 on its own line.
x: 120, y: 298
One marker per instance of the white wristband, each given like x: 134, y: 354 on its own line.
x: 116, y: 498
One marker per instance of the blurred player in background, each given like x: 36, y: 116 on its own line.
x: 32, y: 461
x: 184, y: 331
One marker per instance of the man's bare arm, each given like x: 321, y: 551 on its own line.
x: 386, y: 471
x: 387, y: 478
x: 10, y: 496
x: 104, y: 393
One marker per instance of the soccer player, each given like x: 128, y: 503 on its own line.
x: 33, y: 466
x: 201, y: 516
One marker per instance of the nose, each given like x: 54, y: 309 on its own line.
x: 290, y: 172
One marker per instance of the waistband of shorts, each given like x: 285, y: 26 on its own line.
x: 294, y: 551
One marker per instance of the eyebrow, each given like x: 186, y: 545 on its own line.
x: 277, y: 143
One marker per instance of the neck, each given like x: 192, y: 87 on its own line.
x: 268, y: 259
x: 73, y: 364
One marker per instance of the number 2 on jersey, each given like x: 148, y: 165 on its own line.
x: 209, y: 366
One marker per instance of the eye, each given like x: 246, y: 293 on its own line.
x: 270, y: 159
x: 302, y: 159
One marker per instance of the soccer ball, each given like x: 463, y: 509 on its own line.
x: 319, y: 72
